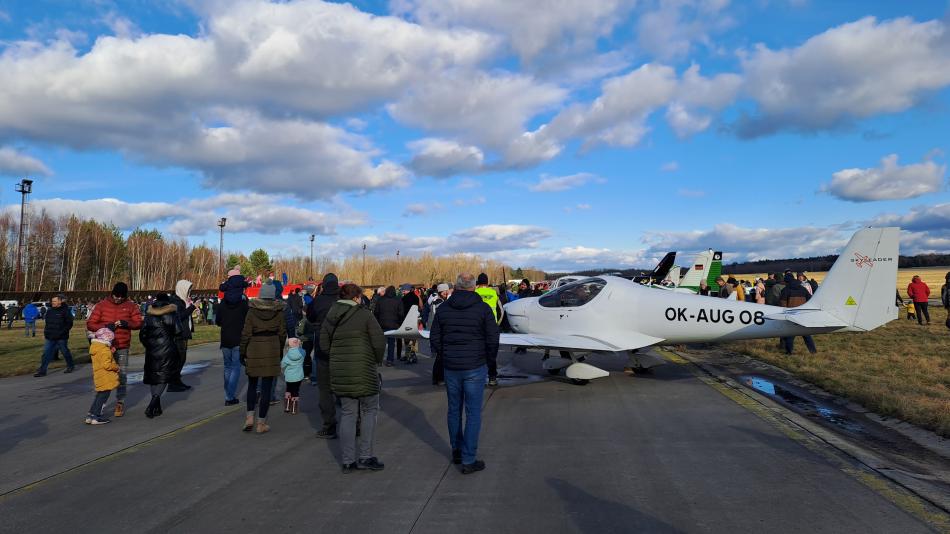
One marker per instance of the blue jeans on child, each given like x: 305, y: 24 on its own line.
x: 99, y: 402
x: 49, y: 350
x: 232, y: 371
x: 29, y: 329
x: 465, y: 388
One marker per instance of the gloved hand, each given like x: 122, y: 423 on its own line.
x: 243, y: 359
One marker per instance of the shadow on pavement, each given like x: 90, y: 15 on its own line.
x: 593, y: 514
x: 413, y: 419
x: 13, y: 434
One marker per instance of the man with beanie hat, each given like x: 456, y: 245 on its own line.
x: 316, y: 313
x: 117, y: 313
x: 230, y: 314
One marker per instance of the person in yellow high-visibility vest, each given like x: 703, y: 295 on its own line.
x: 489, y: 295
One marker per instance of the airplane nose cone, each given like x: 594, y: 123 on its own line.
x: 517, y: 307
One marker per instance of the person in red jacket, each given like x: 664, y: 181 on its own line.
x: 920, y: 294
x: 116, y: 312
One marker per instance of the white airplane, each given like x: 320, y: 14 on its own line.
x: 611, y: 314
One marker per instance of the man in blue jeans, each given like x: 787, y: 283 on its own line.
x: 59, y: 321
x: 229, y: 315
x: 465, y: 336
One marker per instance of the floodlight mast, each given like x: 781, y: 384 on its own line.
x: 25, y: 187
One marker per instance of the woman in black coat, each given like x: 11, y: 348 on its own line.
x: 389, y: 314
x: 160, y: 328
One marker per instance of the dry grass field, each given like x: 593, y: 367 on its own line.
x: 900, y: 370
x: 933, y: 276
x: 21, y: 355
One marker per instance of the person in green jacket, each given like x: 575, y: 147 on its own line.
x: 355, y: 343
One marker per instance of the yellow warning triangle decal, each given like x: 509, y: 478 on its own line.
x: 850, y: 302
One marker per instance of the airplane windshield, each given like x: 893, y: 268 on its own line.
x: 574, y: 294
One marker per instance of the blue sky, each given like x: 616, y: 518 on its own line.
x: 601, y: 133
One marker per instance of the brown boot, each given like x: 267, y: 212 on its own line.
x: 293, y: 405
x: 119, y: 409
x: 262, y: 427
x: 287, y: 400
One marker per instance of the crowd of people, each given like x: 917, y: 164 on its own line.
x: 332, y: 334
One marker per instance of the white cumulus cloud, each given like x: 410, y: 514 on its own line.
x: 18, y: 164
x: 889, y: 181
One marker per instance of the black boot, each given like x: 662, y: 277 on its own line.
x: 154, y: 408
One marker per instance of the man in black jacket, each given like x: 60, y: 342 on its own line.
x: 229, y: 315
x: 316, y: 313
x: 465, y: 336
x: 59, y: 321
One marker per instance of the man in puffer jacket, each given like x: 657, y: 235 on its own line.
x: 794, y: 295
x: 119, y: 314
x: 465, y: 336
x: 355, y: 344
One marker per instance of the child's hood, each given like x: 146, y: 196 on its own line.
x: 295, y: 355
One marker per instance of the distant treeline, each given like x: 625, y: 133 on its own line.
x: 815, y: 264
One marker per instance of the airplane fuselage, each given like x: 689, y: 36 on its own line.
x: 624, y: 306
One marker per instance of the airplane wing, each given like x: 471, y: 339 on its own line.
x: 625, y: 341
x: 604, y: 343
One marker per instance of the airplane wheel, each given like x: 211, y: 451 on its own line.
x: 554, y: 372
x: 579, y: 381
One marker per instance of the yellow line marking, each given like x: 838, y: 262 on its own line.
x: 121, y: 452
x: 898, y: 495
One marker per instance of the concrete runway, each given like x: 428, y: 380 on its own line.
x: 661, y: 453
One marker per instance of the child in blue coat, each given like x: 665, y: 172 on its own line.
x: 292, y: 365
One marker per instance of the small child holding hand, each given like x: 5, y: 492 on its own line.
x: 292, y: 365
x: 105, y: 373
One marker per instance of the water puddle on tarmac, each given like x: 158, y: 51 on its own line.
x: 802, y: 404
x: 188, y: 369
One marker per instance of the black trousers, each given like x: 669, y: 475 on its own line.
x: 922, y: 312
x: 789, y: 344
x: 182, y: 353
x: 327, y: 402
x: 293, y: 388
x: 267, y: 386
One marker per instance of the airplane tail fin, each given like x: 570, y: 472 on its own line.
x: 409, y: 329
x: 706, y: 266
x: 858, y: 289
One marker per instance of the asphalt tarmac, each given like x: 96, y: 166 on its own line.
x: 658, y: 453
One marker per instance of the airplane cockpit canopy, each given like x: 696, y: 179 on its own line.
x: 574, y: 294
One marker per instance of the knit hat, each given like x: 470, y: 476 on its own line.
x: 293, y: 343
x: 104, y: 335
x: 236, y: 271
x: 120, y: 290
x: 268, y: 291
x: 442, y: 287
x: 330, y: 281
x: 482, y: 279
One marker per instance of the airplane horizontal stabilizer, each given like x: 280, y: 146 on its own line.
x: 808, y: 318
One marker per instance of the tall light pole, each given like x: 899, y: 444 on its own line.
x: 25, y: 187
x: 363, y: 275
x: 311, y: 256
x: 221, y: 222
